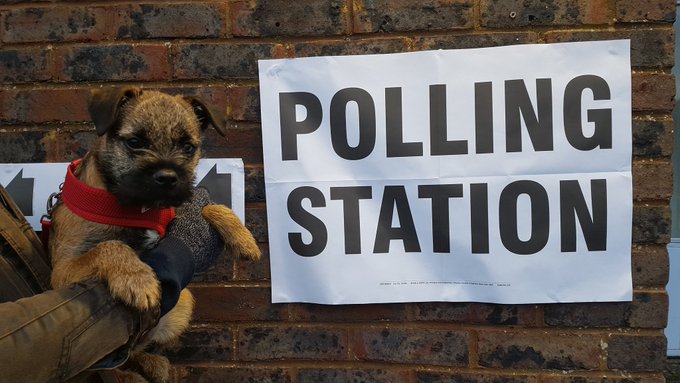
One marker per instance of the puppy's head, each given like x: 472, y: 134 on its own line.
x: 149, y: 144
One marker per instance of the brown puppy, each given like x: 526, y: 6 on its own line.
x: 146, y: 155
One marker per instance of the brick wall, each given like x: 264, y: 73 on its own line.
x: 52, y: 53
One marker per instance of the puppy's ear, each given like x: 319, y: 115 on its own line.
x: 105, y: 106
x: 207, y: 116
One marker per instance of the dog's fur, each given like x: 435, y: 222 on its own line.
x: 145, y: 138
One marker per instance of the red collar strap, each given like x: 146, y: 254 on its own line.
x: 100, y: 206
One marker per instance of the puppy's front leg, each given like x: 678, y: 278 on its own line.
x: 237, y: 238
x: 129, y: 279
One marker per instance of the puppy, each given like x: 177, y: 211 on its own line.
x: 144, y: 160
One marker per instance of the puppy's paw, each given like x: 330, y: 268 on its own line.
x: 236, y: 237
x: 136, y: 285
x: 156, y: 368
x: 129, y: 377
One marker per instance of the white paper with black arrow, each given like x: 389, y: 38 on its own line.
x: 30, y: 184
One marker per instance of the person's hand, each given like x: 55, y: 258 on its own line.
x: 190, y: 245
x: 192, y: 229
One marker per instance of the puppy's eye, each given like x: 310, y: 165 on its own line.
x: 188, y: 148
x: 135, y: 143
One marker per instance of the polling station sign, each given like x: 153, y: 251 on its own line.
x: 490, y: 175
x: 31, y: 184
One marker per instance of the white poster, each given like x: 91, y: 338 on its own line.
x: 31, y: 184
x: 496, y: 175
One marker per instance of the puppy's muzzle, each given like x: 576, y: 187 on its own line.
x: 166, y: 178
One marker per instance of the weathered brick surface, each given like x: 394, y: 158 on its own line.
x: 344, y: 376
x: 351, y: 47
x: 184, y: 20
x: 539, y: 350
x: 218, y: 304
x: 647, y: 310
x: 219, y: 374
x: 351, y: 313
x: 651, y: 224
x: 636, y: 352
x: 25, y: 65
x: 414, y: 345
x: 289, y: 18
x: 645, y: 10
x: 54, y: 24
x: 433, y: 377
x: 37, y: 106
x: 203, y: 343
x: 474, y: 40
x: 220, y: 61
x: 516, y: 13
x: 652, y: 179
x: 292, y: 342
x: 113, y: 63
x: 53, y: 52
x: 402, y: 15
x: 652, y: 136
x: 523, y: 315
x: 648, y: 47
x: 650, y: 266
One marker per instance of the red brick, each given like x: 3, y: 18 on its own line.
x: 478, y: 313
x: 203, y: 343
x: 347, y: 313
x: 178, y: 20
x: 524, y: 13
x: 25, y: 65
x: 636, y: 352
x: 438, y: 377
x: 650, y: 266
x: 651, y: 224
x: 653, y: 92
x: 68, y: 143
x: 351, y: 47
x: 649, y: 48
x: 645, y: 10
x: 221, y: 61
x: 649, y: 310
x: 652, y: 179
x: 247, y: 270
x: 412, y: 346
x: 22, y: 146
x: 243, y: 140
x: 256, y: 221
x: 334, y: 375
x: 221, y: 374
x: 35, y: 106
x: 404, y: 15
x: 254, y: 183
x: 234, y: 304
x: 519, y: 349
x: 220, y: 271
x: 653, y: 136
x: 244, y: 103
x: 143, y: 62
x: 292, y: 343
x: 475, y: 40
x: 289, y: 18
x: 55, y: 23
x: 626, y: 378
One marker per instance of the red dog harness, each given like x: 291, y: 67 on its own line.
x: 98, y: 205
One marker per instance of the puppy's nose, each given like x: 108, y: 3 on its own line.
x: 165, y: 177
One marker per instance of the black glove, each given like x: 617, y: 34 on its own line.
x: 190, y: 245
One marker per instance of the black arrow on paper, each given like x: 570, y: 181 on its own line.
x: 218, y: 185
x: 21, y: 190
